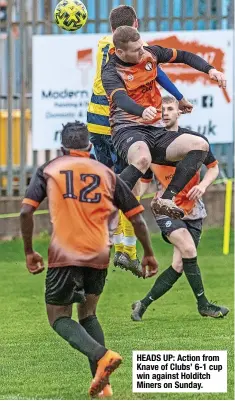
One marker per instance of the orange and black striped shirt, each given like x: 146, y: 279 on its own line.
x: 139, y: 82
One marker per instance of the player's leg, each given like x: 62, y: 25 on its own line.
x: 106, y: 154
x: 60, y: 320
x: 125, y: 253
x: 185, y: 236
x: 168, y: 278
x: 183, y: 240
x: 88, y: 319
x: 101, y: 148
x: 94, y: 282
x: 145, y: 182
x: 64, y: 286
x: 190, y: 151
x: 194, y: 228
x: 118, y: 166
x: 177, y: 262
x: 124, y: 237
x: 136, y: 145
x: 162, y: 285
x: 186, y: 240
x: 128, y: 260
x: 131, y: 145
x: 118, y: 240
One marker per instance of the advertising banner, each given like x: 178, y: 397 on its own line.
x: 64, y: 67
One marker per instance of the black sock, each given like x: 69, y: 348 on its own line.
x: 78, y: 338
x: 163, y: 284
x: 185, y: 171
x: 93, y: 327
x: 193, y: 274
x: 130, y: 175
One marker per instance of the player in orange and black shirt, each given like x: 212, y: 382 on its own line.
x: 183, y: 234
x: 129, y: 79
x: 84, y: 197
x: 99, y: 127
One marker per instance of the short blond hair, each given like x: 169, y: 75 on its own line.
x: 170, y: 99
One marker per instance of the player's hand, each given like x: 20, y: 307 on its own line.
x: 149, y: 113
x: 196, y: 192
x: 149, y: 266
x: 185, y: 106
x: 219, y: 77
x: 34, y: 263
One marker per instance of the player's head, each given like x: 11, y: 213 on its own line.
x: 170, y: 111
x: 75, y: 136
x: 123, y: 15
x: 128, y: 44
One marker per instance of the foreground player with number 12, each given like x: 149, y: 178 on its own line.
x: 84, y: 197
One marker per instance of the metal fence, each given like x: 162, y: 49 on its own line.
x: 20, y: 19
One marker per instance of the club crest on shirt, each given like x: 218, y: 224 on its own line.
x: 130, y: 77
x: 168, y: 223
x: 149, y: 66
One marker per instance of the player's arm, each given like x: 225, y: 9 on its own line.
x: 128, y: 204
x: 167, y: 84
x: 184, y: 105
x: 210, y: 176
x: 116, y: 91
x: 165, y: 55
x: 35, y: 194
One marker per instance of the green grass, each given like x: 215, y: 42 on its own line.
x: 37, y: 364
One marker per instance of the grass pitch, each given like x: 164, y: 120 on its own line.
x: 37, y: 364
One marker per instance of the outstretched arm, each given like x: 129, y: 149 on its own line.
x: 165, y: 55
x: 184, y: 105
x: 166, y: 83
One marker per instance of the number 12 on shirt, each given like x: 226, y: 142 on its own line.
x: 84, y: 192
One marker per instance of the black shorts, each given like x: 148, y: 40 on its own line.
x: 68, y: 285
x: 157, y: 138
x: 167, y: 226
x: 107, y: 155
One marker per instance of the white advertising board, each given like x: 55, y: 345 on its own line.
x: 64, y: 68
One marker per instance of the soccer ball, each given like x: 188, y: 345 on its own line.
x: 70, y: 15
